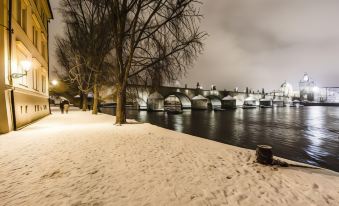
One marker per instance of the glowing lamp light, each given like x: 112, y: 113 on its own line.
x: 55, y: 82
x: 26, y: 65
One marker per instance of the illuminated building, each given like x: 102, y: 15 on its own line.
x: 23, y: 62
x: 306, y: 88
x: 286, y: 89
x: 309, y: 91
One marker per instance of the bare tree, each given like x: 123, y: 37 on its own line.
x: 73, y: 64
x: 153, y: 38
x: 87, y: 44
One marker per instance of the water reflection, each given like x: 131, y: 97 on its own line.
x: 309, y: 134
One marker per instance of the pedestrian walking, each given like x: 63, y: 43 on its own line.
x: 62, y: 106
x: 66, y: 105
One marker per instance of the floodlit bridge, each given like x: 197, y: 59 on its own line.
x: 148, y: 98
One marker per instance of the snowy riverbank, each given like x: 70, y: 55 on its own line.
x: 80, y: 159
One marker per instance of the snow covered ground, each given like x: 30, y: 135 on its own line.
x: 81, y: 159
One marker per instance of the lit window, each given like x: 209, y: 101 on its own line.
x: 35, y: 79
x: 21, y: 69
x: 43, y: 84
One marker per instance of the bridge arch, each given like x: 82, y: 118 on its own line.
x: 142, y: 104
x: 214, y: 101
x: 178, y: 98
x: 239, y: 99
x: 155, y: 102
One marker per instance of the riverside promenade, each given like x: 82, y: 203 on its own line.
x: 84, y: 159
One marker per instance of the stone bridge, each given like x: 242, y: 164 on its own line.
x: 146, y: 97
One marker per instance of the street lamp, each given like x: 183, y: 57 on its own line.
x: 26, y: 65
x: 55, y: 82
x: 52, y: 84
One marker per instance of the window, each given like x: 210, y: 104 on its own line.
x: 20, y: 69
x: 35, y: 79
x: 24, y: 20
x: 35, y: 36
x: 43, y: 17
x: 43, y: 49
x: 43, y: 84
x: 18, y: 11
x: 22, y: 14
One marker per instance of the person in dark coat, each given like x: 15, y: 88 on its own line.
x: 66, y: 105
x: 62, y: 106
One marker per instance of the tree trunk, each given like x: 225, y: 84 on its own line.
x: 81, y: 99
x: 121, y: 103
x: 84, y: 101
x: 264, y: 154
x: 95, y: 95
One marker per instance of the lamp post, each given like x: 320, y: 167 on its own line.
x: 53, y: 83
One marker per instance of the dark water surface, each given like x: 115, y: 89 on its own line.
x: 308, y: 134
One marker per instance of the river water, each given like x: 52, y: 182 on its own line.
x: 307, y: 134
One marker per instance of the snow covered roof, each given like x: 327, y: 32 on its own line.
x: 251, y: 99
x: 228, y: 97
x: 199, y: 97
x: 90, y: 95
x: 266, y: 100
x: 155, y: 95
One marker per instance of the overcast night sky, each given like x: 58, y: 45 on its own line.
x: 260, y: 43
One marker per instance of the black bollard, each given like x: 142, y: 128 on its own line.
x: 264, y: 154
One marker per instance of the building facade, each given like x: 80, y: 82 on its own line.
x: 328, y: 95
x: 307, y: 88
x: 23, y: 62
x: 310, y: 92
